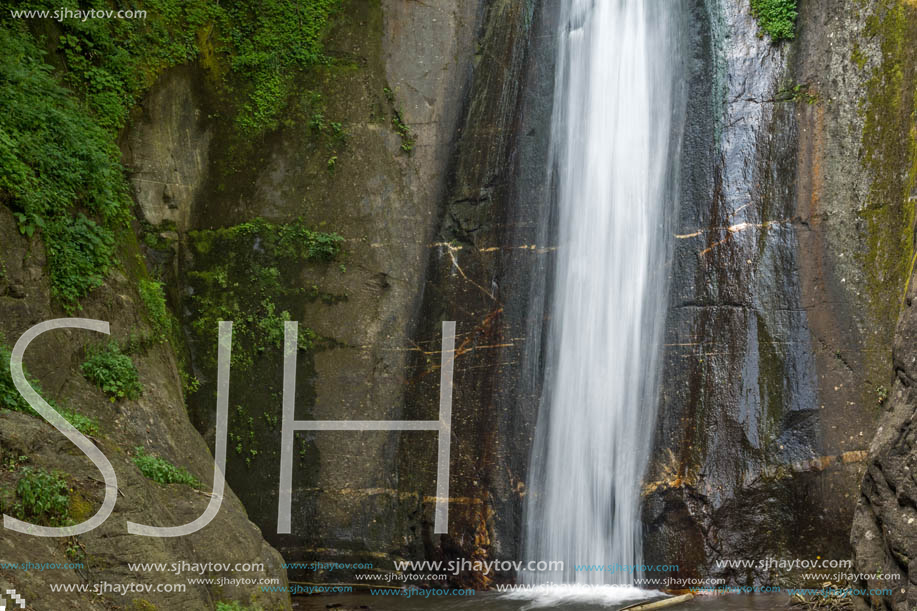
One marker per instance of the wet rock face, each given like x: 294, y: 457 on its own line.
x: 778, y: 350
x: 337, y: 163
x: 488, y: 272
x: 738, y: 403
x: 884, y: 534
x: 167, y: 148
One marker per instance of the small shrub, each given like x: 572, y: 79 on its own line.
x: 114, y: 373
x: 84, y: 424
x: 776, y: 17
x: 80, y: 254
x: 162, y: 471
x: 44, y: 497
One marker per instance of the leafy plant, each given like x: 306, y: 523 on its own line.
x: 881, y: 394
x: 44, y: 497
x: 80, y: 253
x: 54, y: 159
x: 800, y: 92
x: 407, y: 139
x: 9, y: 397
x: 154, y: 298
x: 776, y: 17
x: 84, y: 424
x: 266, y: 41
x: 113, y: 372
x: 160, y: 470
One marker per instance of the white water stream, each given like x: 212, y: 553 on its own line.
x: 612, y: 167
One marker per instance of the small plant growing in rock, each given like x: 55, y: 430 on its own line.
x: 881, y: 394
x: 113, y: 372
x: 776, y: 17
x: 44, y: 497
x: 84, y: 424
x: 162, y: 471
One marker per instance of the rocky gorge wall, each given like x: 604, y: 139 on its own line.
x: 404, y: 184
x: 359, y: 160
x: 790, y: 265
x: 155, y: 422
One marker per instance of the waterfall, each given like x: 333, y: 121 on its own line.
x: 615, y: 136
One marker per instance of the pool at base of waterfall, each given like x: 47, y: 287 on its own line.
x: 562, y: 598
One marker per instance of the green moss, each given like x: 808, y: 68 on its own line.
x: 79, y: 508
x: 249, y: 274
x: 776, y: 17
x: 241, y: 281
x: 771, y: 374
x: 162, y: 471
x: 858, y: 57
x: 890, y: 158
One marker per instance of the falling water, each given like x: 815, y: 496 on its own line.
x: 612, y: 168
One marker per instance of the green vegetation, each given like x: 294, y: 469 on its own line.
x: 44, y: 497
x: 266, y: 42
x: 236, y: 606
x: 407, y: 139
x: 9, y: 397
x: 250, y: 274
x: 59, y: 162
x: 162, y: 471
x: 776, y: 17
x: 113, y: 372
x: 881, y: 395
x: 84, y: 424
x: 260, y: 44
x: 154, y: 298
x: 858, y: 57
x: 799, y: 92
x: 244, y: 281
x: 56, y: 164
